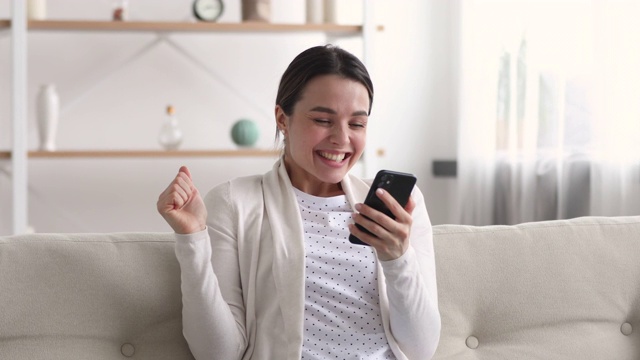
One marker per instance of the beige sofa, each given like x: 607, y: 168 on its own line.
x: 546, y: 290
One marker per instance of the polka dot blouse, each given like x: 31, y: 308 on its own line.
x: 342, y: 314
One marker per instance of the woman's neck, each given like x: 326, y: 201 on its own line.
x: 309, y: 184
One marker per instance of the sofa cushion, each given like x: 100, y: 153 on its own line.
x: 90, y: 296
x: 564, y: 289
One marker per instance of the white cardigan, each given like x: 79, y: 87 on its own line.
x: 243, y: 279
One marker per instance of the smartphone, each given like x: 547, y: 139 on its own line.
x: 398, y: 184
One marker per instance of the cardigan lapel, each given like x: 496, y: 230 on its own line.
x: 288, y: 252
x: 355, y: 189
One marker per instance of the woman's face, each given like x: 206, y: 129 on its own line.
x: 326, y: 133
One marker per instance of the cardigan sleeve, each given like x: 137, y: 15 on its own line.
x: 412, y: 290
x: 213, y: 313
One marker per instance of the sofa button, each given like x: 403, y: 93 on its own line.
x: 127, y: 350
x: 472, y: 342
x: 626, y: 329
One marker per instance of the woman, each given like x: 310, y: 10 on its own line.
x: 269, y: 272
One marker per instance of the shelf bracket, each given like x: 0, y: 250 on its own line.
x: 163, y: 37
x: 108, y: 74
x: 215, y: 76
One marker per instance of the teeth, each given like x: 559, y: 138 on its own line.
x: 333, y: 157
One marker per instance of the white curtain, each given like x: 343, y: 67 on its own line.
x: 549, y: 109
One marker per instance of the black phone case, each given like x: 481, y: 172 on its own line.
x: 398, y: 184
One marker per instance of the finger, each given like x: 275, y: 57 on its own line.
x: 178, y: 194
x: 185, y: 170
x: 169, y: 201
x: 188, y: 182
x: 177, y: 201
x: 175, y: 195
x: 364, y: 236
x: 372, y: 225
x: 372, y: 215
x: 396, y: 209
x: 181, y: 192
x: 181, y: 178
x: 389, y: 201
x: 383, y: 226
x: 184, y: 182
x: 385, y: 249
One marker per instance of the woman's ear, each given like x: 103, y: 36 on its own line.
x: 281, y: 120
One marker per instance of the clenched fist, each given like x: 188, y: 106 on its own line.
x: 181, y: 205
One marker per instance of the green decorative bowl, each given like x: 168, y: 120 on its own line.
x: 245, y: 133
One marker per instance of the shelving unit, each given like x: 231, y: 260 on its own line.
x: 19, y: 155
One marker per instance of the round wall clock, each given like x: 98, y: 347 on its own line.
x: 207, y: 10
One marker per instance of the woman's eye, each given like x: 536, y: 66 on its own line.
x: 358, y: 125
x: 321, y: 121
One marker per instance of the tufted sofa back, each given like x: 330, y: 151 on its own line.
x: 545, y: 290
x: 548, y: 290
x: 90, y: 296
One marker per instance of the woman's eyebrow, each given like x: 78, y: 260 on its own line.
x: 324, y: 109
x: 333, y: 112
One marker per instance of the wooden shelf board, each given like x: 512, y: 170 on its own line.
x: 145, y: 153
x: 77, y: 25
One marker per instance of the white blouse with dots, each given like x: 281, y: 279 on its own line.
x: 342, y: 313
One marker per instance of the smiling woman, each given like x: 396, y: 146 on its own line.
x: 268, y: 271
x: 325, y: 134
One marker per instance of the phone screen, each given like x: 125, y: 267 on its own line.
x: 398, y: 184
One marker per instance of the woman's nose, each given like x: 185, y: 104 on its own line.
x: 339, y: 135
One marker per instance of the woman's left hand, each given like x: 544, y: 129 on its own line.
x: 391, y: 237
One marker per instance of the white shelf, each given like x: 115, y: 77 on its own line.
x: 61, y: 154
x: 155, y: 26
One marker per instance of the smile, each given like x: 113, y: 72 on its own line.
x: 333, y: 157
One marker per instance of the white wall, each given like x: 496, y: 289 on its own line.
x: 415, y: 77
x: 414, y: 106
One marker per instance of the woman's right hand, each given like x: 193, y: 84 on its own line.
x: 181, y: 205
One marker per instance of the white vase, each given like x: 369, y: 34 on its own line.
x: 170, y: 136
x: 331, y: 11
x: 47, y: 115
x: 315, y: 12
x: 37, y: 9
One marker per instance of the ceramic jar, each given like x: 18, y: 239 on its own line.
x: 245, y: 133
x: 47, y: 116
x: 256, y: 10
